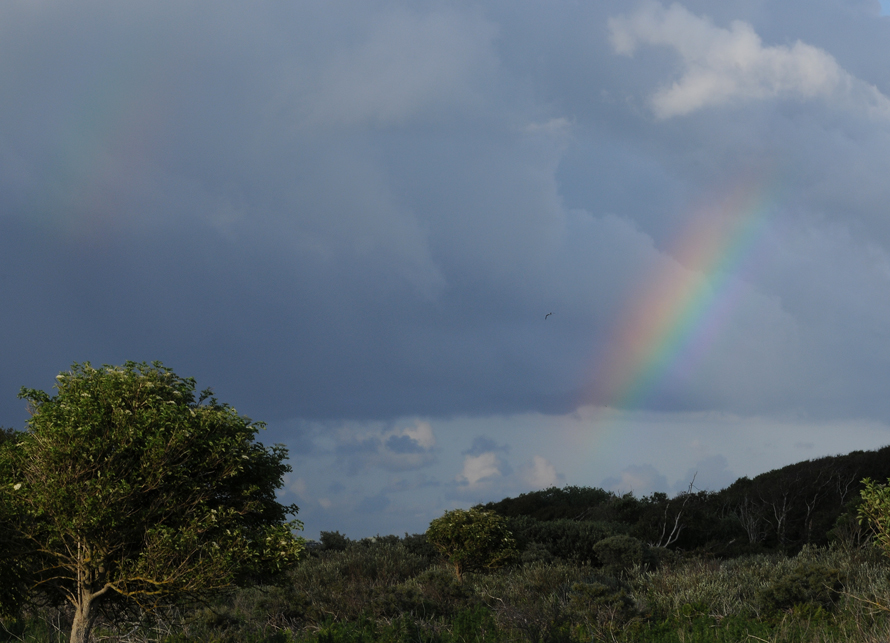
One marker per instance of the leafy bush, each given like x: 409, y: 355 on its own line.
x: 345, y: 584
x: 848, y: 531
x: 536, y: 553
x: 568, y: 540
x: 476, y: 625
x: 442, y: 592
x: 333, y: 541
x: 619, y: 553
x: 421, y: 546
x: 530, y: 602
x: 655, y: 557
x: 472, y: 540
x: 603, y: 605
x: 808, y: 584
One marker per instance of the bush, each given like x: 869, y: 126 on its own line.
x: 810, y: 584
x: 442, y: 592
x: 619, y: 553
x: 472, y: 540
x: 569, y: 540
x: 530, y: 602
x: 536, y: 553
x: 604, y: 605
x: 345, y: 584
x: 419, y: 545
x: 334, y: 541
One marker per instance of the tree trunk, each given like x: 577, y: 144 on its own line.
x: 84, y: 616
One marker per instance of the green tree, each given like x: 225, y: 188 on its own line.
x: 472, y: 540
x: 875, y: 511
x: 130, y: 490
x: 13, y: 561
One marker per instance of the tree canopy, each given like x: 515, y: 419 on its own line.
x: 472, y: 540
x: 127, y: 489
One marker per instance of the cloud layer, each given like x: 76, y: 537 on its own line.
x: 351, y: 219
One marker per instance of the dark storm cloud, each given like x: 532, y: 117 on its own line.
x: 365, y: 210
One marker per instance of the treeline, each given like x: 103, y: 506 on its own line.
x: 808, y: 503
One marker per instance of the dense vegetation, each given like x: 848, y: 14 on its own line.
x: 781, y: 557
x: 808, y: 503
x: 130, y: 493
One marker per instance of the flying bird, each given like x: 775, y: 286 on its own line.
x: 547, y: 315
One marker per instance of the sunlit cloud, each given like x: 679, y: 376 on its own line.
x: 723, y: 66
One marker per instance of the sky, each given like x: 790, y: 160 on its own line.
x: 455, y: 251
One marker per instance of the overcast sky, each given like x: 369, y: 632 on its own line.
x: 353, y: 219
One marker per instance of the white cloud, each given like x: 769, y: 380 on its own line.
x: 540, y: 473
x: 479, y: 467
x: 558, y: 127
x: 721, y: 66
x: 639, y: 479
x: 390, y: 449
x: 298, y: 487
x: 422, y: 434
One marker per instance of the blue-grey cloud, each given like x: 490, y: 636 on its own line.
x: 373, y: 504
x: 482, y: 444
x: 711, y: 473
x: 342, y: 214
x: 639, y: 479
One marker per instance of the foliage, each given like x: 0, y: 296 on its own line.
x: 603, y: 605
x: 780, y: 510
x: 15, y: 566
x: 563, y: 539
x: 553, y: 503
x: 619, y: 553
x: 742, y: 565
x: 875, y: 511
x: 848, y: 531
x: 361, y: 579
x: 395, y: 597
x: 472, y: 540
x: 333, y: 541
x: 811, y: 584
x: 131, y: 491
x: 420, y: 545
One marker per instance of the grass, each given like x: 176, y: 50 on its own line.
x: 383, y: 592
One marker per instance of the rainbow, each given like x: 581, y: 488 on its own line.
x: 675, y: 316
x: 99, y: 152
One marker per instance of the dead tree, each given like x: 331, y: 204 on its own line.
x: 667, y: 538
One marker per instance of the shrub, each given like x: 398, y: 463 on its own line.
x: 536, y: 553
x: 476, y: 625
x: 419, y: 545
x: 875, y: 510
x: 472, y: 540
x: 603, y: 605
x: 530, y: 602
x: 569, y: 540
x: 810, y: 584
x: 442, y: 593
x: 333, y: 541
x: 619, y: 553
x: 344, y: 584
